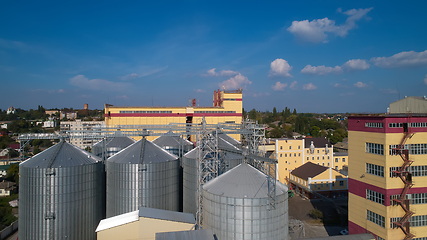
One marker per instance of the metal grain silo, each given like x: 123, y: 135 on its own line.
x: 61, y: 194
x: 174, y: 144
x: 142, y: 174
x: 190, y: 168
x: 236, y: 206
x: 111, y: 145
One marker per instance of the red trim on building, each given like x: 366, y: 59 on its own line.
x: 172, y: 114
x: 357, y: 123
x: 353, y: 228
x: 238, y: 99
x: 359, y: 188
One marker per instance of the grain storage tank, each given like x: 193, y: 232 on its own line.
x: 174, y: 144
x: 61, y: 194
x: 112, y: 145
x: 190, y: 167
x: 142, y: 174
x: 236, y: 206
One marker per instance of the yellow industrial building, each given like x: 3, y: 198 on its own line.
x: 388, y: 175
x: 227, y: 108
x: 292, y: 153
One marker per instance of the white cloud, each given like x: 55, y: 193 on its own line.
x: 317, y: 30
x: 142, y: 74
x: 347, y: 94
x: 402, y: 59
x: 97, y: 84
x: 360, y: 85
x: 228, y: 73
x: 321, y: 70
x: 356, y: 64
x: 279, y: 86
x: 293, y: 85
x: 200, y: 91
x: 280, y: 67
x: 425, y: 80
x: 339, y: 85
x: 213, y: 73
x: 388, y: 91
x: 129, y: 76
x: 238, y: 81
x: 309, y: 86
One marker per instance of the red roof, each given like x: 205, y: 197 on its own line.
x: 14, y: 146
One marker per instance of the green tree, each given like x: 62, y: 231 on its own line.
x: 12, y: 173
x: 252, y: 114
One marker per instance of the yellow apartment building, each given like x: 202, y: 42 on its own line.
x: 341, y: 161
x: 227, y: 108
x: 320, y: 179
x: 292, y: 153
x: 388, y: 176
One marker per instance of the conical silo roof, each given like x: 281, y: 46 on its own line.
x: 243, y: 181
x: 221, y: 144
x: 171, y: 141
x: 62, y: 154
x: 142, y: 151
x: 115, y: 142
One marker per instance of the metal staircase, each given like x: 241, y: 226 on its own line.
x: 406, y: 177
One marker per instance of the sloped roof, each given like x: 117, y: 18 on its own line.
x: 142, y: 151
x: 62, y: 154
x: 243, y: 181
x: 118, y: 142
x: 228, y: 139
x: 118, y: 220
x: 308, y: 170
x: 166, y: 215
x: 317, y: 141
x: 171, y: 141
x: 201, y: 234
x: 340, y: 153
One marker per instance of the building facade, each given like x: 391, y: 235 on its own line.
x: 227, y: 108
x: 79, y: 125
x: 293, y: 153
x: 388, y: 176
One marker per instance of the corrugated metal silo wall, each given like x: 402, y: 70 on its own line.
x: 190, y: 169
x: 245, y: 218
x: 189, y: 185
x: 78, y: 202
x: 130, y: 186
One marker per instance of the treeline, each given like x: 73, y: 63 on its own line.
x: 39, y: 114
x: 287, y: 122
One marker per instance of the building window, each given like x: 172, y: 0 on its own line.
x: 333, y: 184
x: 375, y: 148
x: 317, y: 151
x: 308, y: 158
x: 290, y: 147
x: 343, y: 159
x: 281, y: 147
x: 416, y: 171
x: 315, y: 185
x: 327, y: 184
x: 341, y: 183
x: 286, y: 155
x: 415, y: 149
x: 415, y: 198
x: 328, y: 164
x: 287, y: 169
x: 307, y: 151
x: 323, y: 164
x: 414, y: 221
x: 299, y: 147
x: 395, y: 125
x: 418, y: 124
x: 295, y: 154
x: 295, y: 161
x: 336, y: 159
x: 375, y: 218
x: 317, y: 158
x: 323, y: 158
x: 374, y: 125
x: 312, y: 158
x: 336, y: 167
x: 321, y: 184
x: 328, y: 157
x: 375, y: 169
x: 420, y: 238
x: 280, y: 155
x: 299, y: 154
x: 375, y: 196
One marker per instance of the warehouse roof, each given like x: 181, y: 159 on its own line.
x: 201, y: 234
x: 118, y: 220
x: 142, y: 151
x: 61, y: 154
x: 308, y: 170
x: 166, y: 215
x: 243, y: 181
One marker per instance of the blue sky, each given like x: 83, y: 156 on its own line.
x: 315, y: 56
